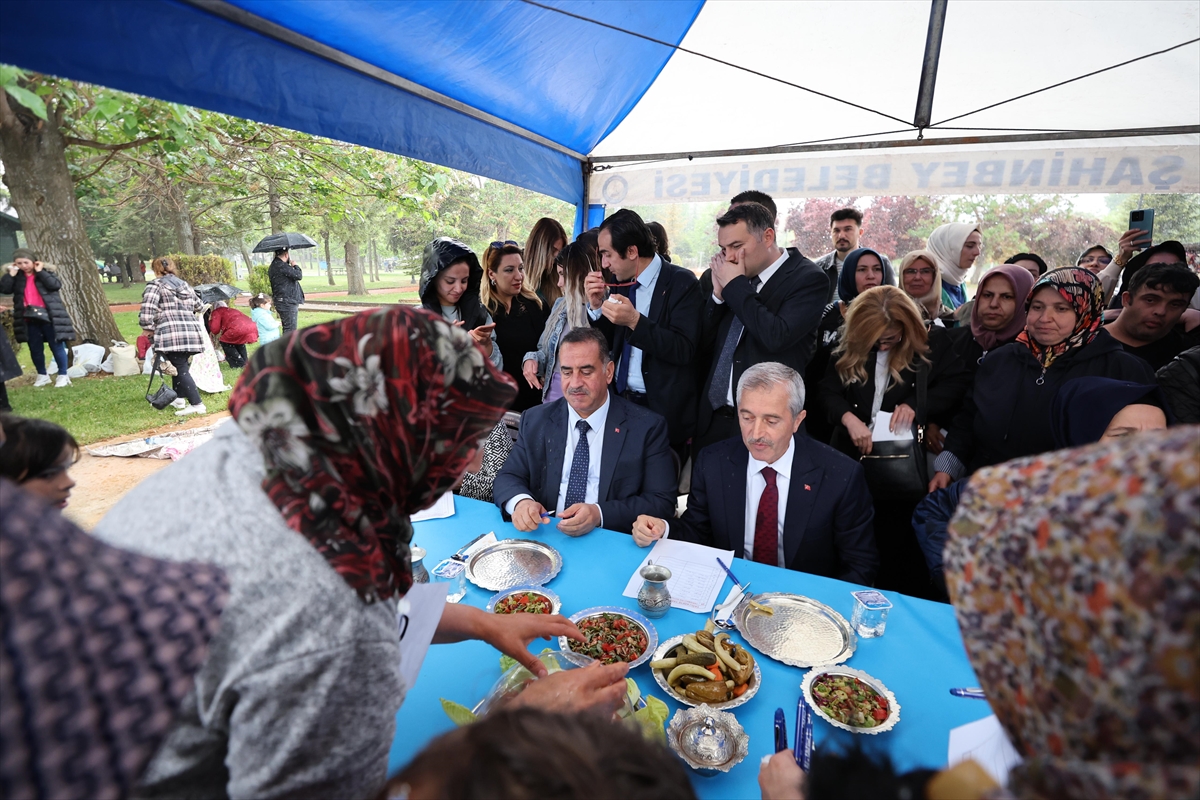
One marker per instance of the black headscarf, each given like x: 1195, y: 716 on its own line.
x: 1084, y: 407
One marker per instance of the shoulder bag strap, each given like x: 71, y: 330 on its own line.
x: 922, y: 398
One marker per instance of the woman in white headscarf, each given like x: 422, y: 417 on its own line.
x: 956, y: 245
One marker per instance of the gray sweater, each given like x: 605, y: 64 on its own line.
x: 302, y: 684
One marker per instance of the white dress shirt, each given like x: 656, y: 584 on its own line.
x: 595, y: 435
x: 755, y: 485
x: 763, y: 277
x: 641, y: 301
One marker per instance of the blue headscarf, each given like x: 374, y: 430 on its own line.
x: 847, y: 290
x: 1083, y: 407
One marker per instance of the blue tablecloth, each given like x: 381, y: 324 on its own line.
x: 919, y: 658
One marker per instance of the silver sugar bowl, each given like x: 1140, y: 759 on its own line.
x: 710, y: 741
x: 654, y: 599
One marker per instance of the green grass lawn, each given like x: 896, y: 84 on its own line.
x: 312, y: 284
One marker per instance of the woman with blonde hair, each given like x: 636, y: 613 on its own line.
x: 168, y: 316
x: 545, y: 242
x: 882, y: 353
x: 540, y: 367
x: 922, y: 281
x: 519, y: 314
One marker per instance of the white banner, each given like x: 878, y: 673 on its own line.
x: 895, y: 171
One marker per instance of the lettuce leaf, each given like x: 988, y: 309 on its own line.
x: 652, y: 718
x: 459, y: 714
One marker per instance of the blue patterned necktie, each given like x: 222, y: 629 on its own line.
x: 718, y: 391
x: 580, y: 462
x: 623, y: 368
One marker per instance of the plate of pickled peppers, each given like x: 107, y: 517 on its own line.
x: 708, y: 668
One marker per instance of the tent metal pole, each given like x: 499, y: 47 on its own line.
x: 238, y: 16
x: 1057, y: 136
x: 933, y: 49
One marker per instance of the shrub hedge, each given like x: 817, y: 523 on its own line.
x: 203, y: 269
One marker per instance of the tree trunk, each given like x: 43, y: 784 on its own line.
x: 246, y: 257
x: 181, y: 216
x: 35, y: 172
x: 354, y: 273
x: 371, y: 271
x: 197, y: 247
x: 328, y: 258
x: 131, y: 262
x: 274, y: 208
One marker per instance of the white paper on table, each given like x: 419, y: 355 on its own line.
x: 420, y: 611
x: 696, y: 577
x: 882, y: 432
x: 442, y: 507
x: 984, y: 741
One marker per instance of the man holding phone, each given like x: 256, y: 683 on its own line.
x: 1157, y: 295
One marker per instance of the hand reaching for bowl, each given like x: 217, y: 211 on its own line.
x: 596, y: 687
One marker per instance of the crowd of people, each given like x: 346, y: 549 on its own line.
x: 837, y: 416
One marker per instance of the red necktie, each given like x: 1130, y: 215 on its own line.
x: 766, y: 527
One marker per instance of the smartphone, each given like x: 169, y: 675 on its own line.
x: 1142, y: 219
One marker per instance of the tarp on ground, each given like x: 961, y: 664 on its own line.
x: 528, y: 91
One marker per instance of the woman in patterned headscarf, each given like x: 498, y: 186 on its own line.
x: 1006, y: 414
x: 1074, y: 579
x: 342, y: 431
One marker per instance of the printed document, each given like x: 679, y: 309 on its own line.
x: 696, y: 577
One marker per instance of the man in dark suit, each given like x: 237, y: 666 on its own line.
x: 590, y: 458
x: 653, y: 324
x: 766, y: 305
x: 776, y: 496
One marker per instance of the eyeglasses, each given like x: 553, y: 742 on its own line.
x: 502, y: 245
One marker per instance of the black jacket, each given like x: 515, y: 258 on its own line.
x: 1180, y: 382
x: 667, y: 338
x: 285, y: 283
x: 48, y: 285
x: 780, y: 322
x: 945, y: 386
x: 637, y: 472
x: 970, y: 355
x: 827, y: 527
x: 440, y: 254
x: 1006, y: 413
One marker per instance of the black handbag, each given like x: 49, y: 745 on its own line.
x: 37, y: 312
x: 898, y: 470
x: 165, y: 394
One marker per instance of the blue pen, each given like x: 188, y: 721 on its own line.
x: 729, y: 572
x: 804, y: 735
x: 973, y: 694
x: 780, y: 731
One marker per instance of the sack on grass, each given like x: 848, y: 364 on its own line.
x: 123, y: 360
x: 89, y: 356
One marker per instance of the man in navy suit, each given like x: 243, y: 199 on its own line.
x: 653, y: 324
x: 776, y: 496
x: 590, y: 458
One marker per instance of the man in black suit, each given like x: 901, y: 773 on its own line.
x: 653, y: 324
x: 766, y: 305
x: 776, y: 496
x: 590, y: 458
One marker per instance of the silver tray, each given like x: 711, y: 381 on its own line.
x: 513, y: 562
x: 555, y: 601
x: 801, y: 632
x: 671, y: 644
x: 564, y: 644
x: 893, y: 707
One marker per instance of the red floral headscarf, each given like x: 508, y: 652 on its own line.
x: 1081, y: 288
x: 363, y: 422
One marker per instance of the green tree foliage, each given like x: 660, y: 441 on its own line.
x: 198, y: 270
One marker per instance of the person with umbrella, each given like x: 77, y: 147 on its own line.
x: 284, y: 275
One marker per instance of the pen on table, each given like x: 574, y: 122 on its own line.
x: 729, y: 572
x: 804, y: 735
x: 974, y: 694
x: 780, y: 731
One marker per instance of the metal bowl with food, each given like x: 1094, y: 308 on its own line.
x: 739, y: 679
x: 613, y: 634
x: 851, y: 699
x: 524, y: 599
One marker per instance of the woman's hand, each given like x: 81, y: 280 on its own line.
x: 512, y: 633
x: 902, y: 418
x: 483, y: 337
x: 940, y: 481
x: 37, y: 266
x: 12, y: 269
x: 529, y: 370
x: 780, y: 777
x: 1132, y: 239
x: 935, y: 438
x: 860, y: 434
x: 598, y: 687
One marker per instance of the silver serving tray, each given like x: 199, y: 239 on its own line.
x: 660, y: 679
x: 513, y: 562
x: 801, y: 632
x: 564, y: 644
x: 876, y: 684
x: 555, y: 601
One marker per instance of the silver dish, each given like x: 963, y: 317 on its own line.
x: 801, y: 632
x: 893, y: 706
x: 564, y: 644
x: 555, y: 602
x: 513, y: 562
x: 661, y: 680
x: 710, y: 741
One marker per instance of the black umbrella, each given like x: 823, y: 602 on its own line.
x: 213, y: 292
x: 284, y: 241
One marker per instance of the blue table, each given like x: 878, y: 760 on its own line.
x: 919, y: 658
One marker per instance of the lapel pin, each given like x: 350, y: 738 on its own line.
x: 616, y: 430
x: 807, y: 488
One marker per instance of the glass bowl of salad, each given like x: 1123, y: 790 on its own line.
x: 524, y: 599
x: 851, y: 699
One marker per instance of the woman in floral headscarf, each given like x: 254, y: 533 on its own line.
x: 1006, y: 414
x: 1074, y: 579
x: 342, y: 431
